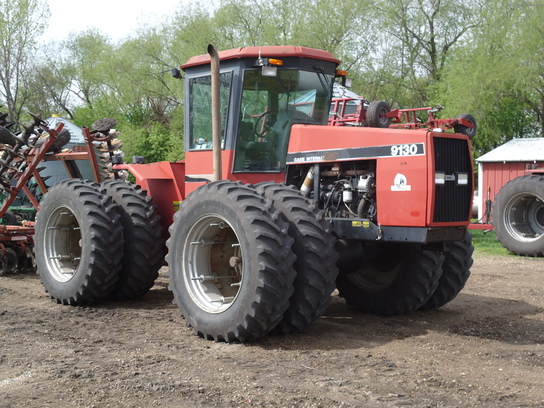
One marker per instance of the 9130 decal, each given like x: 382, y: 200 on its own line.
x: 404, y: 150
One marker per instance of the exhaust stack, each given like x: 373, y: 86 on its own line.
x: 216, y: 114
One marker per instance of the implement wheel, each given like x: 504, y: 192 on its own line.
x: 456, y: 271
x: 62, y: 139
x: 518, y: 215
x: 394, y: 279
x: 469, y: 131
x: 144, y: 244
x: 375, y: 114
x: 78, y: 242
x: 316, y: 257
x: 230, y: 262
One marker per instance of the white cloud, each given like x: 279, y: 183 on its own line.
x: 114, y: 18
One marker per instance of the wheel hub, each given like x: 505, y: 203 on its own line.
x: 62, y: 244
x: 524, y: 217
x: 213, y: 264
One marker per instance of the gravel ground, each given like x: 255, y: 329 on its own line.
x: 484, y: 349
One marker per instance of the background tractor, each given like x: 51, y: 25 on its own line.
x: 511, y: 195
x: 271, y: 208
x: 518, y: 215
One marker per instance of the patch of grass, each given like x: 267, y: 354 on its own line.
x: 488, y: 244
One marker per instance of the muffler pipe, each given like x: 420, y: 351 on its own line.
x: 216, y: 113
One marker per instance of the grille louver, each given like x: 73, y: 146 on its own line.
x: 453, y: 202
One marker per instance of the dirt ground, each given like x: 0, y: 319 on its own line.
x: 484, y: 349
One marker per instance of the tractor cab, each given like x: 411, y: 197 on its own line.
x: 263, y: 92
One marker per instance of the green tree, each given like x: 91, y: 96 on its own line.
x: 85, y: 58
x: 190, y: 31
x: 340, y: 28
x: 91, y: 77
x: 49, y: 83
x: 417, y: 38
x: 528, y: 51
x: 21, y: 23
x: 499, y: 75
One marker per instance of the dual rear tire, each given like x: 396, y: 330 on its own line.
x: 143, y: 250
x: 393, y: 279
x: 85, y: 246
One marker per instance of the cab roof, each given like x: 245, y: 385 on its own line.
x: 284, y: 51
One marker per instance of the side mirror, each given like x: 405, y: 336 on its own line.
x: 176, y: 73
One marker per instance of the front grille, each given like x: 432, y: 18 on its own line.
x: 452, y: 202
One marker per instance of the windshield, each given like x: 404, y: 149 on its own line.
x: 270, y: 105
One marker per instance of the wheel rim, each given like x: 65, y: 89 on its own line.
x: 378, y: 273
x: 212, y: 264
x: 524, y: 217
x: 382, y: 118
x: 62, y: 244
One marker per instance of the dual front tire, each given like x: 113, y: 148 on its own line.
x: 230, y: 262
x: 246, y: 261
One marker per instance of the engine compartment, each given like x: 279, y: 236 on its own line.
x: 342, y: 189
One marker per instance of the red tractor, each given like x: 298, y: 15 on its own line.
x: 271, y: 208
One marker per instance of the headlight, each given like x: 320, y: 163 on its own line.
x: 462, y: 179
x: 440, y: 178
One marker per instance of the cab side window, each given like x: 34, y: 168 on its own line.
x: 200, y: 117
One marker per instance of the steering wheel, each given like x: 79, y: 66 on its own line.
x: 265, y: 127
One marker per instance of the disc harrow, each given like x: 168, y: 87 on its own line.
x: 22, y: 159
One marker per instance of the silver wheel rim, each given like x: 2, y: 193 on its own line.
x: 62, y: 244
x: 524, y: 217
x: 381, y: 116
x: 212, y: 264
